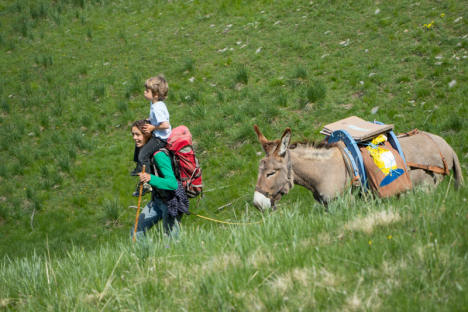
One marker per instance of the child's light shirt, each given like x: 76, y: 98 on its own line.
x: 159, y: 114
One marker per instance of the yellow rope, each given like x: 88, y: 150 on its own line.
x: 226, y: 222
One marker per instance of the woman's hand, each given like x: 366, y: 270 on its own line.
x: 144, y: 177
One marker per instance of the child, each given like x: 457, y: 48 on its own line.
x: 156, y: 89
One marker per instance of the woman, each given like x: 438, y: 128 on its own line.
x: 168, y: 198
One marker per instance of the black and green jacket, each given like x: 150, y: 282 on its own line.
x: 162, y: 176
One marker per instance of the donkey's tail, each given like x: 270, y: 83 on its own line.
x: 457, y: 171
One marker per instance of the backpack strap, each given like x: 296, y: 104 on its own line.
x: 175, y: 167
x: 164, y: 150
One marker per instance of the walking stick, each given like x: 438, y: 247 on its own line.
x: 138, y: 208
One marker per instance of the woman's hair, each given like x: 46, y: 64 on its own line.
x: 139, y: 124
x: 158, y: 85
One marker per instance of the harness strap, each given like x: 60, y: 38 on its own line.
x: 436, y: 169
x: 290, y: 173
x: 409, y: 133
x: 355, y: 179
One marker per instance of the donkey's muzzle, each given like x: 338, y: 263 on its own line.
x: 261, y: 201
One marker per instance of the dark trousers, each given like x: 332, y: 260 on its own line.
x: 155, y: 211
x: 142, y: 155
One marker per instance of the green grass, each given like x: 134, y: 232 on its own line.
x: 71, y: 84
x: 406, y: 254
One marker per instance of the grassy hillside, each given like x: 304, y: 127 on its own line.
x: 408, y: 255
x: 71, y: 83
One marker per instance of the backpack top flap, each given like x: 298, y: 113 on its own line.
x: 179, y: 138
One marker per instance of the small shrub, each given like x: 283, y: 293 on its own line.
x: 191, y: 97
x: 220, y: 96
x: 72, y: 151
x: 455, y: 123
x: 83, y: 70
x: 242, y: 75
x: 5, y: 105
x: 4, y: 212
x: 31, y: 195
x: 243, y: 133
x: 199, y: 111
x: 188, y: 65
x: 46, y: 60
x: 79, y: 200
x: 44, y: 119
x: 79, y: 3
x: 317, y: 91
x: 38, y: 11
x: 86, y: 120
x: 300, y: 73
x: 270, y: 112
x: 57, y: 109
x: 4, y: 169
x: 134, y: 86
x: 78, y: 140
x: 99, y: 90
x: 19, y: 6
x: 282, y: 99
x: 122, y: 106
x: 45, y: 173
x: 64, y: 162
x: 123, y: 36
x: 422, y: 92
x: 218, y: 125
x: 23, y: 26
x: 24, y: 157
x: 252, y: 109
x: 112, y: 210
x: 402, y: 79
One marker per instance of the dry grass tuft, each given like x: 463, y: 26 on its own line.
x: 368, y: 223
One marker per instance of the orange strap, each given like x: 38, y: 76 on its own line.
x: 429, y: 168
x: 409, y: 133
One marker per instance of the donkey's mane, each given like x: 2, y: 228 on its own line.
x: 319, y: 145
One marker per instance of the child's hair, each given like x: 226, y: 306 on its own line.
x: 158, y: 85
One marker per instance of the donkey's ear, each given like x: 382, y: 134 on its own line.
x: 260, y: 136
x: 284, y: 143
x: 267, y: 145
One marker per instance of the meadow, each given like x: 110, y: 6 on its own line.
x: 71, y: 84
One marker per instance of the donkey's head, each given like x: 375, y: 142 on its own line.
x: 275, y: 176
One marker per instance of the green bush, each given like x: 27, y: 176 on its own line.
x: 316, y: 91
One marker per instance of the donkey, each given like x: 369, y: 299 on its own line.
x: 322, y: 169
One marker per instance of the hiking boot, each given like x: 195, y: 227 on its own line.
x: 146, y: 189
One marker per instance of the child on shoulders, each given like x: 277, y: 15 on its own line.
x: 156, y: 89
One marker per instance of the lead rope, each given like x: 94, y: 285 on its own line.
x: 227, y: 222
x: 220, y: 221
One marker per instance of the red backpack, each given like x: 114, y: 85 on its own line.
x: 186, y: 167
